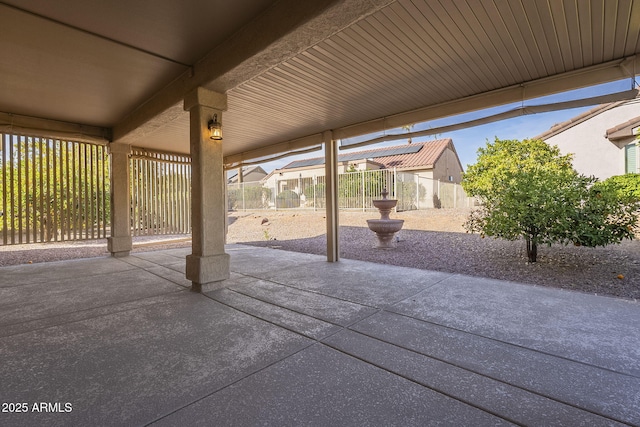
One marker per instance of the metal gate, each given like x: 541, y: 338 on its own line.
x: 160, y: 192
x: 52, y: 190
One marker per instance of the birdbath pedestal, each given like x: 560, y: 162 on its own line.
x: 385, y: 227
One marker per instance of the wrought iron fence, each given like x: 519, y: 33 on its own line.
x: 357, y: 190
x: 52, y: 190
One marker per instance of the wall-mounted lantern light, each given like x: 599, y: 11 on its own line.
x: 215, y: 128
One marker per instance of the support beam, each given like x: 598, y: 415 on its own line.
x: 602, y: 73
x: 208, y: 263
x: 331, y: 195
x: 597, y: 74
x: 35, y: 126
x: 292, y: 146
x: 281, y: 32
x: 119, y: 244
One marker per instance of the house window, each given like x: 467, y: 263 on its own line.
x: 631, y: 158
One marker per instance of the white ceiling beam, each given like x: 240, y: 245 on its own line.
x: 270, y: 150
x: 45, y: 128
x: 284, y: 30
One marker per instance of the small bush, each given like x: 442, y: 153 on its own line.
x: 287, y: 199
x: 627, y: 187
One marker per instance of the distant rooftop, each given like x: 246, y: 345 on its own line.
x: 561, y: 127
x: 408, y: 155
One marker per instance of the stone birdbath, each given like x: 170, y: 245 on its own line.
x: 385, y: 228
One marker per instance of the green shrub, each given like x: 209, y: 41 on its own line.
x: 287, y: 199
x: 626, y: 186
x: 529, y: 190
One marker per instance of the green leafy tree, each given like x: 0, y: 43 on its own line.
x: 529, y: 190
x: 45, y: 193
x: 287, y: 199
x: 249, y: 197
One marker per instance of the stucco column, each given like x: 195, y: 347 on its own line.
x: 119, y: 244
x: 208, y: 262
x: 331, y: 195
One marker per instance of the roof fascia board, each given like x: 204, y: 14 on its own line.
x: 624, y: 132
x: 561, y: 127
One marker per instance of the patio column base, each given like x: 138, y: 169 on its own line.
x: 119, y: 246
x: 207, y: 272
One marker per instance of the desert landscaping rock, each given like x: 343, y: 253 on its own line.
x: 432, y: 240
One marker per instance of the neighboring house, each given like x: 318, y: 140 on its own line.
x: 249, y: 174
x: 435, y: 159
x: 602, y: 140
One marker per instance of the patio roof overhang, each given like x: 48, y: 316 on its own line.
x: 291, y: 70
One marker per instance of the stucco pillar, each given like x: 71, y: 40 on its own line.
x: 331, y: 195
x: 119, y: 244
x: 208, y: 262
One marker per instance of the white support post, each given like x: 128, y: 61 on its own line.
x: 331, y: 189
x: 395, y: 187
x: 363, y: 190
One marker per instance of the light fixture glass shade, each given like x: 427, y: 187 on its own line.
x: 215, y: 128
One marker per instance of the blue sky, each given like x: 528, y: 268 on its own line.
x: 467, y: 141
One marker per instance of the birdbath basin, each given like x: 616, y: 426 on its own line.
x: 385, y: 227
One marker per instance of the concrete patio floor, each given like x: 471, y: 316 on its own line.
x: 293, y: 340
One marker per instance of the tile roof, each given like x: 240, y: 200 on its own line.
x: 232, y: 175
x: 623, y: 130
x: 415, y: 155
x: 426, y: 157
x: 561, y: 127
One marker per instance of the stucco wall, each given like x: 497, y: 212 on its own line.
x: 254, y: 176
x: 593, y: 153
x: 447, y: 166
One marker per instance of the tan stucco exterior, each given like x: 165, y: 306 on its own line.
x: 594, y: 153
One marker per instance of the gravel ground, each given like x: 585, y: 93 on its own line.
x: 433, y: 240
x: 58, y: 251
x: 436, y: 240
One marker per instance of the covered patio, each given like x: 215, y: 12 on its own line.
x: 273, y: 338
x: 294, y: 340
x: 282, y: 77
